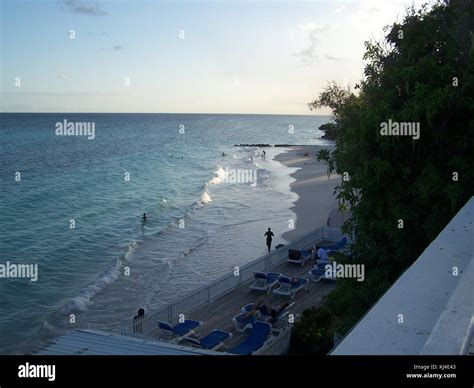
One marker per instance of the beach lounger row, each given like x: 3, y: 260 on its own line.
x: 183, y: 333
x: 287, y: 286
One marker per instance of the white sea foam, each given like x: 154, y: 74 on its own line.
x: 206, y: 198
x: 131, y: 250
x: 203, y: 200
x: 220, y: 176
x: 84, y: 299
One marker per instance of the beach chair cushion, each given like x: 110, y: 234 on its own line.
x: 264, y: 281
x: 337, y: 246
x: 294, y: 284
x: 272, y: 277
x: 245, y: 320
x: 165, y: 326
x: 214, y: 338
x: 247, y: 308
x: 318, y: 272
x: 289, y: 287
x: 320, y: 268
x: 180, y: 329
x: 255, y: 340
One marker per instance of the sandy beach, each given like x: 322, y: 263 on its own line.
x: 316, y: 205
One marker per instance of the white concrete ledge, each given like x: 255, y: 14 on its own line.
x: 437, y: 307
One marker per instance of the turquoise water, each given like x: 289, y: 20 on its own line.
x: 174, y: 177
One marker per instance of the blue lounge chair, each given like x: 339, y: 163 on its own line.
x: 275, y: 320
x: 212, y: 341
x: 265, y: 281
x: 259, y: 334
x: 242, y: 323
x: 290, y: 286
x: 179, y: 331
x: 318, y: 273
x: 298, y: 257
x: 248, y: 307
x: 336, y: 247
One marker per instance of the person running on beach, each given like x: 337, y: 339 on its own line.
x: 269, y: 235
x: 144, y: 217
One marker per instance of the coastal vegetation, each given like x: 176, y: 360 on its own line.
x: 402, y: 190
x: 330, y: 131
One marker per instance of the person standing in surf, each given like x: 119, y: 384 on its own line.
x: 269, y: 235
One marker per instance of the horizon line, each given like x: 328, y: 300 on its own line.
x: 174, y: 113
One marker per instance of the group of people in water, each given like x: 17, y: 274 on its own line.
x: 144, y: 218
x: 264, y: 155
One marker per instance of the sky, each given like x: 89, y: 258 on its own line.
x: 257, y: 57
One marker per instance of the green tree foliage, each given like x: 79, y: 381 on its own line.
x: 330, y: 131
x: 421, y: 72
x: 312, y: 334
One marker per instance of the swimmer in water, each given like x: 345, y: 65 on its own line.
x: 144, y: 217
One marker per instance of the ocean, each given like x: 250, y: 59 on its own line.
x: 72, y: 205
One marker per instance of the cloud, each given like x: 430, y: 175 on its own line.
x: 83, y: 8
x: 333, y: 58
x: 314, y: 31
x: 308, y: 27
x: 56, y: 94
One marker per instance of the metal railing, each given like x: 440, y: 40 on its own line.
x: 209, y: 293
x: 278, y: 345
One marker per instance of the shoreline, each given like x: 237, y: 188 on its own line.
x: 316, y: 204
